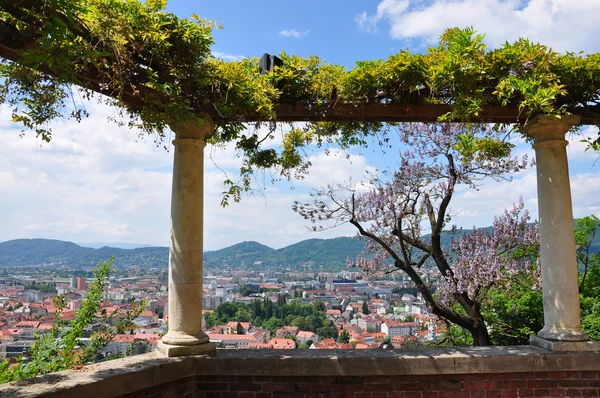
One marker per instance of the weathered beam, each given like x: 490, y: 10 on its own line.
x: 20, y: 3
x: 400, y: 113
x: 13, y: 41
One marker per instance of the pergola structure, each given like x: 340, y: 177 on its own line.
x: 562, y: 324
x: 562, y: 329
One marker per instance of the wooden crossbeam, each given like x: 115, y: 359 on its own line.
x: 425, y: 113
x: 12, y: 42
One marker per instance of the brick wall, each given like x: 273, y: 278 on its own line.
x: 529, y: 384
x: 519, y: 371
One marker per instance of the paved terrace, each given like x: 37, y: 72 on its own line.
x: 523, y: 371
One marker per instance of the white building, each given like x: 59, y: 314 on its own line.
x: 392, y: 329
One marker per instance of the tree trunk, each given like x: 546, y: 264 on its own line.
x: 480, y: 335
x: 478, y: 328
x: 474, y: 325
x: 473, y: 322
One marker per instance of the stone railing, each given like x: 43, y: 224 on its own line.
x: 465, y: 372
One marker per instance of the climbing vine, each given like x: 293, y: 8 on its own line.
x: 158, y: 68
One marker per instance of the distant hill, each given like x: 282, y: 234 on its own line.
x: 44, y: 251
x: 120, y: 245
x: 240, y: 254
x: 320, y: 254
x: 323, y: 253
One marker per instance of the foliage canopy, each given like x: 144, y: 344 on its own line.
x: 158, y: 68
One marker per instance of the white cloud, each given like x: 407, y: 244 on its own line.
x: 267, y: 219
x: 335, y: 166
x: 387, y: 9
x: 266, y: 216
x: 293, y: 33
x: 94, y: 181
x: 98, y: 182
x: 479, y: 207
x: 578, y: 150
x: 365, y: 22
x: 585, y: 189
x: 227, y: 57
x: 562, y: 24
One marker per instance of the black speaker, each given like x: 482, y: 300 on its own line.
x: 268, y: 62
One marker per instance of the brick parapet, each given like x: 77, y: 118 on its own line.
x: 491, y: 372
x: 526, y: 384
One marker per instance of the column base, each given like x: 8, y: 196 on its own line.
x: 182, y: 338
x: 169, y: 350
x: 563, y: 334
x: 565, y: 346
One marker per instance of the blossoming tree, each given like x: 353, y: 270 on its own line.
x: 402, y: 214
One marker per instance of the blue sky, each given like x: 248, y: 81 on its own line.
x: 324, y: 28
x: 98, y: 182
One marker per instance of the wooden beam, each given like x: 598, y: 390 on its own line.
x: 13, y: 41
x: 399, y: 113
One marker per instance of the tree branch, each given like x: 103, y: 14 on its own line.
x: 379, y: 241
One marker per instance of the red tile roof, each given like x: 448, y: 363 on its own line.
x: 286, y: 344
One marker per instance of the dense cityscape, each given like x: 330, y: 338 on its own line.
x: 401, y: 123
x: 241, y: 308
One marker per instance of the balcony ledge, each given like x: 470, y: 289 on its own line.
x: 130, y: 375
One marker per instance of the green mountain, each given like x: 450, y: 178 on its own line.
x: 44, y: 251
x: 319, y: 254
x: 322, y: 253
x: 240, y: 254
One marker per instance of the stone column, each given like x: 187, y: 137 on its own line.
x: 185, y: 335
x: 562, y: 321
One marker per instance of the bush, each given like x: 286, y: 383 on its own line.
x: 63, y: 348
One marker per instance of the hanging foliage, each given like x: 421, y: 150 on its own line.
x: 157, y: 68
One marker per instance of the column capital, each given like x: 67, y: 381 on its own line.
x: 194, y: 127
x: 549, y: 127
